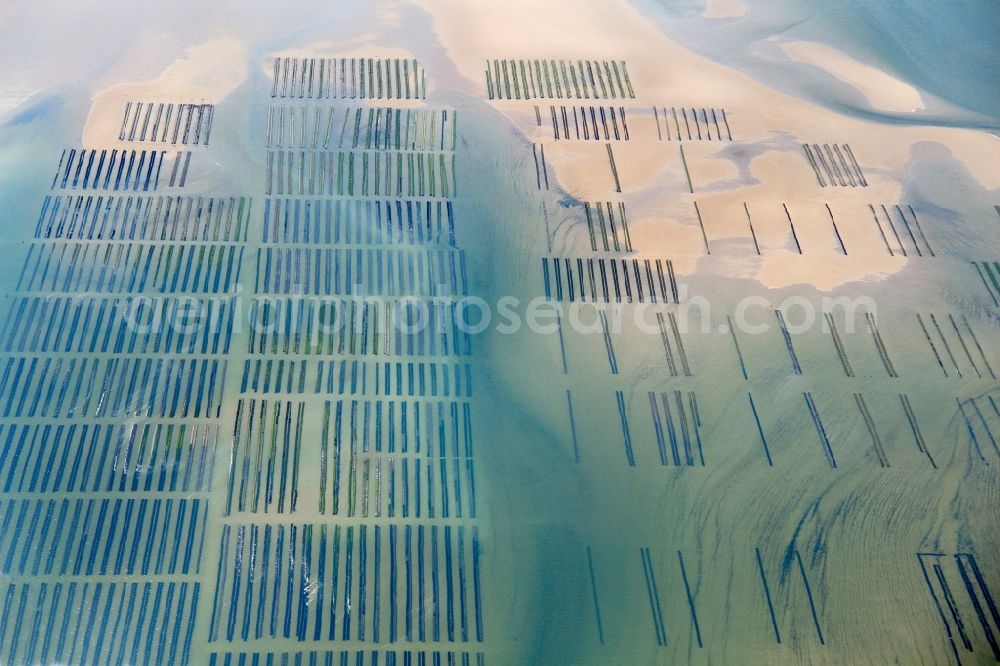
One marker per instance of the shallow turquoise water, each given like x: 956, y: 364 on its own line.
x: 953, y: 60
x: 772, y: 531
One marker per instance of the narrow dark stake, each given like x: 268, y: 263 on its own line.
x: 836, y: 230
x: 753, y: 234
x: 593, y: 590
x: 701, y: 225
x: 614, y: 169
x: 686, y: 171
x: 795, y: 236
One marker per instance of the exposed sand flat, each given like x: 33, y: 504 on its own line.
x: 678, y: 76
x: 206, y: 74
x: 725, y: 9
x: 366, y: 44
x: 768, y: 119
x: 882, y: 90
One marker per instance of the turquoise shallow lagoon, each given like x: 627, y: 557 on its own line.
x: 952, y: 63
x: 431, y: 333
